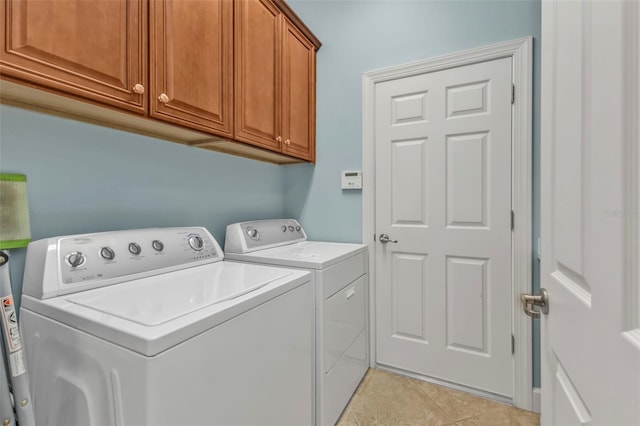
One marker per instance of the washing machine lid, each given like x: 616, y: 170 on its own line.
x: 305, y: 254
x: 163, y: 298
x: 152, y: 314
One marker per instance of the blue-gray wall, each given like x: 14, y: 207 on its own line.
x: 85, y: 178
x: 360, y: 36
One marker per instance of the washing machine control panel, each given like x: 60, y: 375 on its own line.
x: 246, y: 237
x: 69, y: 264
x: 96, y: 260
x: 108, y: 255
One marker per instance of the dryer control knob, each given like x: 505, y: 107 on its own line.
x: 107, y: 253
x: 157, y: 245
x: 196, y: 242
x: 284, y: 228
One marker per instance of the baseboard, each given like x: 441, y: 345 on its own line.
x: 472, y: 391
x: 536, y: 404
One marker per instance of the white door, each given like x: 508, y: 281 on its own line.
x: 443, y: 191
x: 590, y: 218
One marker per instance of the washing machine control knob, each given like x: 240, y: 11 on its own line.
x: 107, y: 253
x: 134, y: 248
x: 196, y: 242
x: 291, y: 228
x: 253, y: 233
x: 284, y: 228
x: 75, y: 259
x: 157, y: 245
x: 298, y: 228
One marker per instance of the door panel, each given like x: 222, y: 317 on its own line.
x: 101, y: 55
x: 443, y: 190
x: 466, y: 180
x: 408, y: 192
x: 409, y: 296
x: 467, y: 99
x: 197, y: 83
x: 590, y: 193
x: 467, y: 312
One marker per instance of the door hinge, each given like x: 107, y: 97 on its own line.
x: 513, y: 94
x: 513, y: 344
x: 374, y: 238
x: 513, y: 220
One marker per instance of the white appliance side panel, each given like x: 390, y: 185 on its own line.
x: 78, y: 379
x: 257, y: 368
x: 339, y: 384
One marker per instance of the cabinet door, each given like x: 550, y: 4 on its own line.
x: 257, y: 75
x: 298, y: 94
x: 92, y: 49
x: 191, y: 60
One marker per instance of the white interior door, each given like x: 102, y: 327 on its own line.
x: 590, y: 217
x: 443, y: 191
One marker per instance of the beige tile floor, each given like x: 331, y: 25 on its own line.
x: 389, y: 399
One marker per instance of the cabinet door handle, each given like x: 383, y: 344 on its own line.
x: 279, y: 139
x: 287, y: 142
x: 163, y: 98
x: 138, y: 88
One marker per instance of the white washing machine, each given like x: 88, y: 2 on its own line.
x: 340, y: 269
x: 152, y: 327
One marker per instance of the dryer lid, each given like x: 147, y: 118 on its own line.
x: 305, y: 254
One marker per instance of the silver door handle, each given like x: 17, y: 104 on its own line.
x: 530, y: 300
x: 384, y: 238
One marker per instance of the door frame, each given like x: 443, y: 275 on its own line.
x: 521, y: 52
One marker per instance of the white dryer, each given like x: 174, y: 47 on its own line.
x: 340, y: 270
x: 152, y: 327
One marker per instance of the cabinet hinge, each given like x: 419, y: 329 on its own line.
x: 513, y: 344
x: 513, y: 220
x: 513, y: 94
x: 374, y: 238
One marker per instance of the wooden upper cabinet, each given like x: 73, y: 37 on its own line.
x: 191, y: 63
x: 257, y: 73
x: 92, y: 49
x: 210, y: 73
x: 274, y: 79
x: 298, y: 94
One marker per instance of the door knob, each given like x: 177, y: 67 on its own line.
x: 138, y: 88
x: 163, y: 98
x: 384, y: 238
x: 530, y: 300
